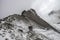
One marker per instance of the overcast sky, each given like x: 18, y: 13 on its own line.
x: 9, y: 7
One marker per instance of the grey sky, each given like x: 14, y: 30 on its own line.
x: 13, y: 6
x: 9, y: 7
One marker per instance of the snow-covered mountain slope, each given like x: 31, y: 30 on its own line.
x: 15, y: 27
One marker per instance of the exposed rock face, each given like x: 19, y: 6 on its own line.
x: 31, y: 14
x: 15, y: 27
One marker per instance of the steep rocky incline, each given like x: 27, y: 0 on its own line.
x: 16, y: 27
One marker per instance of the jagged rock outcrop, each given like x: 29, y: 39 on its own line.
x: 31, y: 14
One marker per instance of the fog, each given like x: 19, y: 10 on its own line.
x: 44, y: 7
